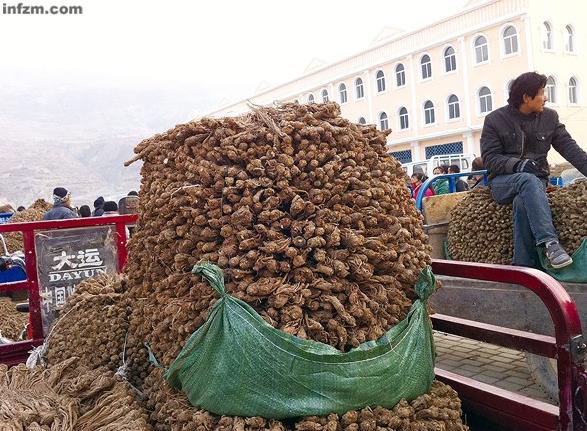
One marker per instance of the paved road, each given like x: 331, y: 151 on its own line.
x: 504, y: 368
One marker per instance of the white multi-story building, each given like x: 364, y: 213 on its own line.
x: 433, y: 86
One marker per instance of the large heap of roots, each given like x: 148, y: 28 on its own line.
x: 312, y: 223
x: 305, y: 212
x: 481, y: 230
x: 92, y: 326
x: 33, y: 213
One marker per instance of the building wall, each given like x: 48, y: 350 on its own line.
x: 460, y: 31
x: 561, y: 64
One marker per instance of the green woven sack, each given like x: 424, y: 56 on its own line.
x: 236, y: 364
x: 575, y: 272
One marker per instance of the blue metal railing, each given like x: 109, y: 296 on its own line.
x: 452, y: 183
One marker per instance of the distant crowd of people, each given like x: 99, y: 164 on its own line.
x: 441, y: 186
x: 64, y: 209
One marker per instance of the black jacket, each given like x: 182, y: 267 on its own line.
x: 509, y: 136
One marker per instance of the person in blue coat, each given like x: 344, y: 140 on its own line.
x: 61, y: 206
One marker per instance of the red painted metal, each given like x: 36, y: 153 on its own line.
x: 17, y: 352
x: 30, y: 257
x: 571, y: 374
x: 121, y: 245
x: 500, y: 403
x: 11, y: 287
x: 511, y: 338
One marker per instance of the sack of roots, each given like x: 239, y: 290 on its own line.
x: 575, y: 272
x: 237, y: 364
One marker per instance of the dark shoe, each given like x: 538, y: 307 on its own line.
x: 557, y: 255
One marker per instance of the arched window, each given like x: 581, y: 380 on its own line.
x: 400, y: 75
x: 510, y: 40
x: 383, y: 122
x: 324, y: 96
x: 311, y: 98
x: 429, y: 117
x: 551, y: 89
x: 454, y: 109
x: 359, y: 88
x: 403, y: 118
x: 569, y: 39
x: 342, y: 93
x: 450, y: 59
x: 481, y: 49
x: 485, y: 102
x: 547, y: 37
x: 426, y: 66
x: 380, y: 81
x: 573, y: 90
x: 362, y: 120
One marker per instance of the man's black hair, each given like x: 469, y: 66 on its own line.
x: 455, y: 168
x: 85, y: 211
x: 527, y: 83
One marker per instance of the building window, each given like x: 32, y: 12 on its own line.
x: 400, y: 75
x: 383, y: 122
x: 324, y: 96
x: 359, y: 88
x: 569, y: 42
x: 439, y: 150
x: 454, y: 110
x: 510, y: 40
x: 547, y: 39
x: 404, y: 156
x: 342, y: 93
x: 311, y: 98
x: 380, y: 81
x: 426, y: 67
x: 362, y: 120
x: 572, y: 90
x: 450, y: 59
x: 404, y: 122
x: 481, y: 50
x: 551, y: 89
x: 485, y: 103
x: 429, y: 117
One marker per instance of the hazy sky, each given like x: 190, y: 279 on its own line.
x: 226, y: 48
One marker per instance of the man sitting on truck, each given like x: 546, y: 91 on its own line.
x: 61, y: 206
x: 514, y: 144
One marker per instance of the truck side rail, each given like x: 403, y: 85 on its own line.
x: 567, y: 346
x: 452, y: 184
x: 16, y: 352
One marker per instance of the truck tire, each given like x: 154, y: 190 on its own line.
x: 544, y: 372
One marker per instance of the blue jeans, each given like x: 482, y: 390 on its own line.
x: 531, y: 212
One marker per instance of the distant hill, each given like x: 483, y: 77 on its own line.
x: 79, y: 137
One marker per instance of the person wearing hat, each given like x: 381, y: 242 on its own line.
x: 61, y: 206
x: 110, y: 208
x: 98, y: 207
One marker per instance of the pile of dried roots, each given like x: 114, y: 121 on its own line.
x: 92, y: 325
x: 306, y: 213
x: 67, y: 397
x: 481, y: 230
x: 438, y: 410
x: 33, y: 213
x: 12, y: 322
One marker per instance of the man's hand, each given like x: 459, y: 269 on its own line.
x: 527, y: 165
